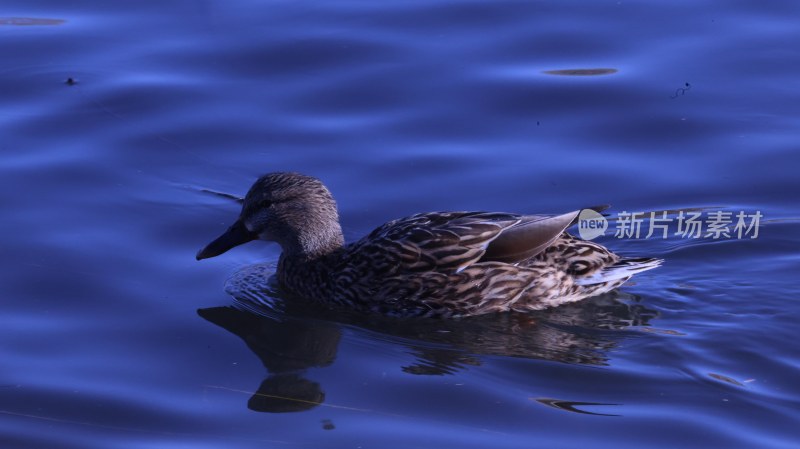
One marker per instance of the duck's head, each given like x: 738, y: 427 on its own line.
x: 296, y: 211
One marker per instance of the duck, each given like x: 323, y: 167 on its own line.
x: 433, y: 264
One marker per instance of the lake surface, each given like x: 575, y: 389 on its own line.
x: 113, y: 336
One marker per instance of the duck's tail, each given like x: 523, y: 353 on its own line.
x: 619, y: 271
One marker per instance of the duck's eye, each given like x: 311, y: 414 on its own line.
x: 265, y: 203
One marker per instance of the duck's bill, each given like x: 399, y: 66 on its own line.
x: 236, y: 235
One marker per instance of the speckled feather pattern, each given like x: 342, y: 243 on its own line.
x: 430, y: 265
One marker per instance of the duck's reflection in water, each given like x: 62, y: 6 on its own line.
x: 580, y: 333
x: 287, y: 348
x: 290, y: 336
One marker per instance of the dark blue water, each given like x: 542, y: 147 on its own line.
x: 113, y: 336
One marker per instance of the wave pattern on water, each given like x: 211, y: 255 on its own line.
x: 112, y: 182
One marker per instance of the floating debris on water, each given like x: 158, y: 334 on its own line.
x: 681, y: 91
x: 581, y: 72
x: 29, y: 21
x: 571, y: 406
x: 725, y: 378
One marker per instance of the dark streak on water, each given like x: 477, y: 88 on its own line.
x: 581, y: 72
x: 29, y: 21
x: 111, y: 335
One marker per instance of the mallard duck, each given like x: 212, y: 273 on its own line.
x: 435, y: 264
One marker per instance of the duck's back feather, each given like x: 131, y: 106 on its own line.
x: 452, y: 241
x: 436, y: 241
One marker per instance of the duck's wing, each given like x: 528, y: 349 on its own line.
x: 528, y: 238
x: 454, y: 240
x: 441, y: 241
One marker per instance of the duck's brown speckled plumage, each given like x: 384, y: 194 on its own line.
x: 441, y: 264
